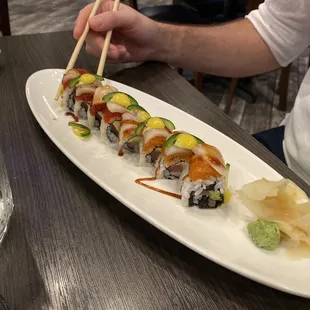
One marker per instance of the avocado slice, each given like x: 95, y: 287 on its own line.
x: 168, y: 123
x: 109, y: 96
x: 74, y: 82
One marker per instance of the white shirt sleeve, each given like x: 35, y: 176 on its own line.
x: 285, y: 27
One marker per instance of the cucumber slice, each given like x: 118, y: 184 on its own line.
x: 74, y: 82
x: 140, y: 128
x: 109, y: 96
x: 168, y: 123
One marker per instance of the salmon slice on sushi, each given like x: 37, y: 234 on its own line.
x: 68, y: 87
x: 131, y: 119
x: 85, y: 87
x: 154, y: 133
x: 116, y: 105
x: 204, y: 182
x: 97, y: 107
x: 176, y: 155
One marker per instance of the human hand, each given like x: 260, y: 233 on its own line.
x: 133, y: 38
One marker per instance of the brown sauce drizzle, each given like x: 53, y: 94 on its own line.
x: 140, y: 182
x: 121, y: 152
x: 76, y: 119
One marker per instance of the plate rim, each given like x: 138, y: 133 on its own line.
x: 233, y: 267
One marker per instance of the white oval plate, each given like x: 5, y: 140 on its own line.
x: 215, y: 234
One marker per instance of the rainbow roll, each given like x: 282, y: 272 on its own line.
x: 176, y: 155
x: 203, y: 182
x: 154, y: 132
x: 128, y: 138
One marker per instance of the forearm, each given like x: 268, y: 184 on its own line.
x: 234, y: 50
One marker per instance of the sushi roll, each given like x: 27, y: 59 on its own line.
x: 85, y: 87
x: 128, y: 139
x: 154, y: 132
x: 176, y: 155
x: 203, y: 182
x: 68, y: 89
x: 97, y: 107
x: 116, y: 105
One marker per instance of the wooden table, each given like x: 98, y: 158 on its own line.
x: 70, y: 244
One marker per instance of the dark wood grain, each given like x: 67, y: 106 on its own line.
x: 70, y: 244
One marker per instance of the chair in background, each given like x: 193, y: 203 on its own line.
x: 210, y: 12
x: 284, y: 75
x: 205, y: 12
x: 4, y: 18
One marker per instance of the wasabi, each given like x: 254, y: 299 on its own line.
x: 265, y: 234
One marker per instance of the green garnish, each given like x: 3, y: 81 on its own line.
x: 171, y: 140
x: 86, y: 78
x: 135, y: 107
x: 80, y: 130
x: 265, y: 234
x: 215, y: 195
x: 227, y: 167
x: 140, y: 128
x: 99, y: 77
x: 168, y: 123
x: 74, y: 82
x: 135, y: 139
x: 109, y: 96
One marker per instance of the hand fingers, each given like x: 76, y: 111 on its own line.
x: 109, y: 20
x: 81, y: 21
x: 115, y: 54
x: 94, y: 46
x: 95, y: 42
x: 84, y: 14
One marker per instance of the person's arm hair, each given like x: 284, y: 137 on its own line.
x: 234, y: 50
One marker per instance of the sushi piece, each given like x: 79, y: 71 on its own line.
x: 128, y: 139
x: 68, y: 89
x: 154, y: 132
x: 116, y: 105
x: 176, y: 155
x: 85, y: 87
x: 97, y: 107
x: 203, y: 182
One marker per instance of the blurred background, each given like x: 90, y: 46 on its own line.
x: 256, y: 103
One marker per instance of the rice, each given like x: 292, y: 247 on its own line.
x: 198, y: 193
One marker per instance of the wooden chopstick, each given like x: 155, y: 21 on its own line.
x: 78, y: 46
x: 106, y: 45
